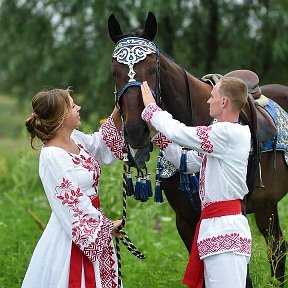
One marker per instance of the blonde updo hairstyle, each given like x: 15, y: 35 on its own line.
x: 50, y: 109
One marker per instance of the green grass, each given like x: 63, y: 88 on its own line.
x: 150, y: 226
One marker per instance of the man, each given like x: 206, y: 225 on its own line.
x: 222, y: 244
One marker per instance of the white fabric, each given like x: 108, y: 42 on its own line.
x: 220, y: 155
x: 228, y: 266
x: 70, y: 181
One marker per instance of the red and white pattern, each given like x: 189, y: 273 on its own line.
x: 71, y: 183
x: 107, y: 272
x: 161, y: 141
x: 224, y: 243
x: 89, y: 163
x: 203, y: 133
x: 147, y: 114
x: 202, y: 178
x: 84, y: 228
x: 112, y: 137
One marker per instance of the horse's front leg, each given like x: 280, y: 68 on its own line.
x: 268, y: 224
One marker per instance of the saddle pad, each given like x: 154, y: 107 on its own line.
x: 280, y: 118
x: 166, y: 168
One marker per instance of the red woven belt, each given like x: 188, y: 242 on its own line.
x: 194, y: 274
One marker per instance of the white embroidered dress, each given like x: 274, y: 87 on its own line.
x: 70, y: 182
x: 220, y: 154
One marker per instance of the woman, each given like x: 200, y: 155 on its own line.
x: 76, y: 248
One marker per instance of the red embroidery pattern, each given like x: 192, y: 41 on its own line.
x: 97, y: 248
x: 84, y: 229
x: 223, y: 243
x: 112, y: 138
x: 148, y: 112
x: 202, y: 132
x: 200, y: 154
x: 208, y: 204
x: 161, y: 141
x: 69, y: 196
x: 107, y: 269
x: 202, y: 178
x: 89, y: 163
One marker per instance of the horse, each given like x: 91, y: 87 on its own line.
x: 185, y: 97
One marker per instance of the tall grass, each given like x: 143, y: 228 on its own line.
x: 151, y: 226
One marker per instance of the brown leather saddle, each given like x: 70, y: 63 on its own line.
x: 261, y: 124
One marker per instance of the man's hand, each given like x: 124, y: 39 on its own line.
x: 146, y: 94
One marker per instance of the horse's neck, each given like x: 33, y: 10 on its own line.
x: 200, y: 92
x: 182, y: 95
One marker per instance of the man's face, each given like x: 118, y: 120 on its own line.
x: 215, y: 102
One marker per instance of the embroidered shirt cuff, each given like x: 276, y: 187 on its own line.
x: 103, y: 230
x: 148, y: 112
x: 161, y: 141
x: 112, y: 137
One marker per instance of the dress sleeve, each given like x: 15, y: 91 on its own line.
x: 172, y: 152
x: 210, y: 140
x: 87, y: 227
x: 105, y: 145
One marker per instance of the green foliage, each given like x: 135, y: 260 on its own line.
x: 50, y: 43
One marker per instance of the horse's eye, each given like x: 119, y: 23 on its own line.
x: 151, y: 70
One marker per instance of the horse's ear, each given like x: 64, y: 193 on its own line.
x: 114, y: 28
x: 150, y: 29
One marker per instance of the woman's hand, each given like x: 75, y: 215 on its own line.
x: 116, y: 225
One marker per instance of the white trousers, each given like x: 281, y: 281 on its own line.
x: 225, y: 270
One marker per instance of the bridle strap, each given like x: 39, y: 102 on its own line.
x: 189, y: 99
x: 129, y: 51
x: 118, y: 95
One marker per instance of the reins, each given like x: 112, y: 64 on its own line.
x: 126, y: 187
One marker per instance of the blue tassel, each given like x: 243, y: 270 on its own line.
x: 129, y: 184
x: 149, y: 185
x: 158, y: 197
x: 144, y: 192
x: 184, y: 176
x: 195, y: 183
x: 138, y: 188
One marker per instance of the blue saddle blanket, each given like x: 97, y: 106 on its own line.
x: 280, y: 118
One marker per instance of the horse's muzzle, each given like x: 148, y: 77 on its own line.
x: 137, y: 135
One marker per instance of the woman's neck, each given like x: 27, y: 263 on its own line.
x: 63, y: 140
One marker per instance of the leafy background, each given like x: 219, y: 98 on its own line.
x: 48, y: 43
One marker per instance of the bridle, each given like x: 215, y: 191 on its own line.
x: 129, y: 51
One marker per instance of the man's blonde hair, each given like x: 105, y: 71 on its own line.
x: 235, y: 89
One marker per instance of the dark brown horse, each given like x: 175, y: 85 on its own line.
x: 185, y: 97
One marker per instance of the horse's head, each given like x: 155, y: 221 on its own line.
x: 134, y: 60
